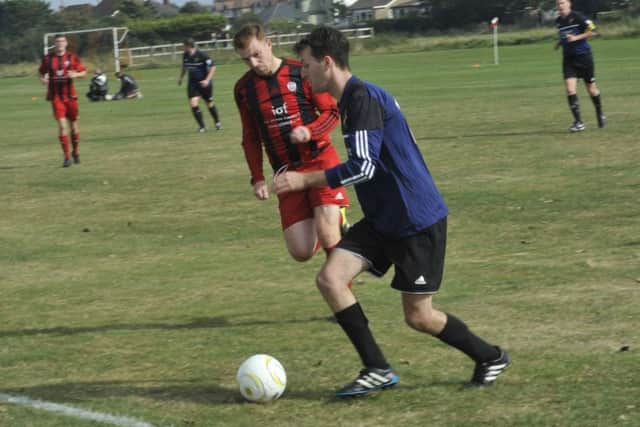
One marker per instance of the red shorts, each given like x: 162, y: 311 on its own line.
x: 65, y: 109
x: 298, y: 205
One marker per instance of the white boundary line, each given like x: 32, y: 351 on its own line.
x: 70, y: 411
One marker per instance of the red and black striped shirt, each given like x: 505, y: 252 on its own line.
x: 271, y: 107
x: 57, y: 67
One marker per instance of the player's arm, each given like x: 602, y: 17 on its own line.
x: 43, y: 73
x: 363, y: 137
x: 328, y: 116
x: 211, y: 70
x: 182, y: 72
x: 587, y: 30
x: 252, y: 147
x: 78, y: 70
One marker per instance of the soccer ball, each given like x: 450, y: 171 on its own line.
x: 261, y: 378
x: 108, y: 97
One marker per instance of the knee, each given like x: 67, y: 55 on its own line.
x: 325, y: 281
x: 300, y: 255
x: 421, y: 321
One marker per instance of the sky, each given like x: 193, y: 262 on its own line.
x: 55, y: 4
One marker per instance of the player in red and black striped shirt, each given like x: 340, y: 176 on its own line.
x: 57, y: 71
x: 280, y: 113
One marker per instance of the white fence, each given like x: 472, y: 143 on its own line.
x: 174, y: 50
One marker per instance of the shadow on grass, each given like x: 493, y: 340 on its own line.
x: 198, y: 323
x: 166, y: 391
x: 186, y: 391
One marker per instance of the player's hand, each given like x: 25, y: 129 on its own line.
x: 72, y: 74
x: 204, y: 83
x: 571, y: 38
x: 179, y: 82
x: 288, y: 181
x: 300, y: 135
x: 44, y: 80
x: 261, y: 190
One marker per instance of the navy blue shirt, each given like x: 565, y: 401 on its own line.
x: 393, y: 184
x: 198, y: 65
x: 574, y: 24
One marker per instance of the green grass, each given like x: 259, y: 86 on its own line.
x: 137, y: 282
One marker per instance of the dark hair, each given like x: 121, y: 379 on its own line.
x: 326, y: 41
x: 189, y: 42
x: 245, y: 34
x: 59, y: 36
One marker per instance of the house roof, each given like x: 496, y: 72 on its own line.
x: 279, y: 11
x: 370, y: 4
x: 407, y: 3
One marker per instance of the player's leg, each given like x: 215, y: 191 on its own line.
x: 572, y: 98
x: 72, y: 116
x: 327, y: 202
x: 60, y: 114
x: 301, y: 239
x: 327, y: 221
x: 207, y: 95
x: 419, y: 268
x: 63, y: 137
x: 359, y: 250
x: 594, y: 91
x: 194, y: 98
x: 420, y: 315
x: 296, y: 218
x: 197, y: 114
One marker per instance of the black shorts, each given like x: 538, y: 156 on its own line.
x: 194, y: 89
x: 580, y: 67
x: 418, y: 259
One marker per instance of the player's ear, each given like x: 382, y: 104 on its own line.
x: 327, y: 61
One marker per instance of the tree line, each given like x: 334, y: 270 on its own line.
x: 23, y: 22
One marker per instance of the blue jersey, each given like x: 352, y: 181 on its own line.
x: 574, y: 24
x: 198, y: 65
x: 394, y: 186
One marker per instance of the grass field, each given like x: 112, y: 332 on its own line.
x: 135, y: 283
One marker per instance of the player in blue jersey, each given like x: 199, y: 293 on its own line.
x: 405, y: 218
x: 201, y: 70
x: 574, y: 31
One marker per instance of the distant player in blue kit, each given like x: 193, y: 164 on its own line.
x: 404, y: 224
x: 201, y: 70
x: 574, y: 30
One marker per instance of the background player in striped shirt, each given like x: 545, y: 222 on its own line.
x: 201, y: 70
x: 57, y: 71
x: 405, y: 218
x: 574, y: 31
x: 279, y: 111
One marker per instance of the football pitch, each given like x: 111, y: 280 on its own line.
x: 133, y: 285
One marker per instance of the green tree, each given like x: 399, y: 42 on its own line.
x: 191, y: 7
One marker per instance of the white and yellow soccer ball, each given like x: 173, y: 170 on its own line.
x: 261, y: 378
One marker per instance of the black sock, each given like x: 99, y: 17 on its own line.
x: 198, y: 116
x: 598, y: 104
x: 574, y: 106
x: 214, y: 113
x: 457, y: 334
x: 355, y: 325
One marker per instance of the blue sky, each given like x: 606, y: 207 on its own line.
x: 55, y: 4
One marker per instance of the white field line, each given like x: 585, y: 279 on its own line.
x: 70, y: 411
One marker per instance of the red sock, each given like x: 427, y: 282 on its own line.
x: 75, y: 140
x: 328, y: 251
x: 64, y: 143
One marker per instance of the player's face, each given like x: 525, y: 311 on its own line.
x: 188, y: 49
x: 61, y: 45
x: 314, y: 70
x: 258, y: 56
x: 563, y: 6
